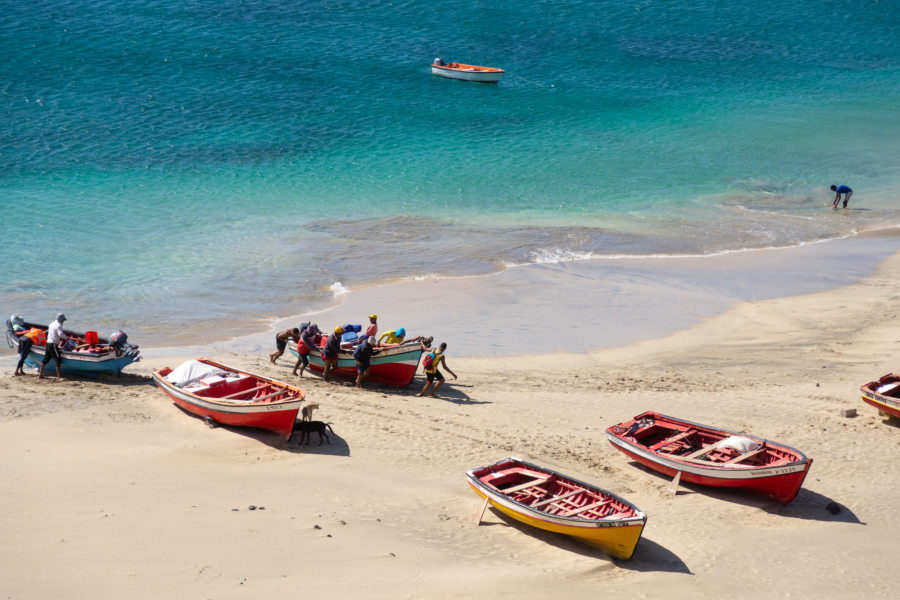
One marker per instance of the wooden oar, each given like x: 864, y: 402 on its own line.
x: 483, y: 508
x: 673, y: 487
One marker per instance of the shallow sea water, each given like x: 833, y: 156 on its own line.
x: 194, y: 171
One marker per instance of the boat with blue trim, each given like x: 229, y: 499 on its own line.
x: 85, y: 353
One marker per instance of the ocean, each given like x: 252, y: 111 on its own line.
x: 201, y: 169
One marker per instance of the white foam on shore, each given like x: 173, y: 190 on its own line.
x: 338, y: 289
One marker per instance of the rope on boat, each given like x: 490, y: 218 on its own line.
x: 529, y: 81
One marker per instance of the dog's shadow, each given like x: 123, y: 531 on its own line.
x: 335, y: 446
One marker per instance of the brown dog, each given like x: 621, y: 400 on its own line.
x: 308, y: 411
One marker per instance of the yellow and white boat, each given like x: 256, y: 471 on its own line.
x: 548, y: 500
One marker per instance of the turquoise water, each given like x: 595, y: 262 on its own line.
x: 181, y: 166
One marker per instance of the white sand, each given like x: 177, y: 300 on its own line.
x: 109, y: 490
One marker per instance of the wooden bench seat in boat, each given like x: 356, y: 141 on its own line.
x: 555, y: 498
x: 672, y: 439
x: 586, y: 508
x: 525, y: 486
x: 268, y: 396
x: 700, y: 452
x: 745, y: 456
x: 239, y: 392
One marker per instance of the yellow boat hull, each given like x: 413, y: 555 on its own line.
x: 616, y: 540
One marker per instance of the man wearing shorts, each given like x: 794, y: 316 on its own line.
x: 330, y: 352
x: 433, y: 375
x: 32, y: 337
x: 55, y: 336
x: 841, y: 189
x: 307, y: 340
x: 281, y: 340
x: 363, y: 355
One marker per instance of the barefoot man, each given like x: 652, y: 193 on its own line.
x: 433, y: 374
x: 281, y: 340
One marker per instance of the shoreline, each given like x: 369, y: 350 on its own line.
x: 515, y: 311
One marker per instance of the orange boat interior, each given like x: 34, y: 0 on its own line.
x: 464, y: 67
x: 700, y: 445
x: 556, y: 496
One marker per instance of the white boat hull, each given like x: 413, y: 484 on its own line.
x: 468, y: 74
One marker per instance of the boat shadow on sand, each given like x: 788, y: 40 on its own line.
x: 648, y: 555
x: 808, y: 505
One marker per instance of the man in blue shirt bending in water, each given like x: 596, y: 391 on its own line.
x: 841, y: 189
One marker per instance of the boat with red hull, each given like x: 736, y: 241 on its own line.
x: 543, y: 498
x: 230, y: 396
x: 711, y: 456
x: 392, y: 365
x: 883, y: 394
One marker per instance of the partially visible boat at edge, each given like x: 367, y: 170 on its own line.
x: 711, y: 456
x: 883, y: 394
x: 467, y: 72
x: 548, y: 500
x: 392, y: 365
x: 231, y: 396
x: 88, y: 359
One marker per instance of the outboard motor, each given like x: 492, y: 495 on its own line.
x: 118, y: 339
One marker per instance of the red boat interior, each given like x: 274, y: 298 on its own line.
x: 240, y: 389
x: 553, y: 495
x: 699, y: 445
x: 889, y: 385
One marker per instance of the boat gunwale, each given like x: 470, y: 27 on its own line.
x: 878, y: 400
x: 711, y: 467
x: 464, y: 68
x: 573, y: 521
x: 188, y: 396
x: 94, y: 358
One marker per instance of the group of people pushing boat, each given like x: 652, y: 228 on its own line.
x: 363, y: 345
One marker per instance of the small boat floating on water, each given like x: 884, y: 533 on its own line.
x: 548, y: 500
x: 85, y: 353
x: 466, y: 72
x: 711, y: 456
x: 883, y: 394
x: 230, y: 396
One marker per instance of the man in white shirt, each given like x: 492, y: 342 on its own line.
x: 55, y: 336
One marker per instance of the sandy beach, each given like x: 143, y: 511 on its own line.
x: 112, y: 491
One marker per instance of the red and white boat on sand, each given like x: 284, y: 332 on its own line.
x: 466, y: 72
x: 711, y: 456
x: 230, y: 396
x: 883, y: 394
x: 392, y: 365
x: 548, y: 500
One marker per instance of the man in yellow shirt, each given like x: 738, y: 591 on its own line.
x: 393, y: 337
